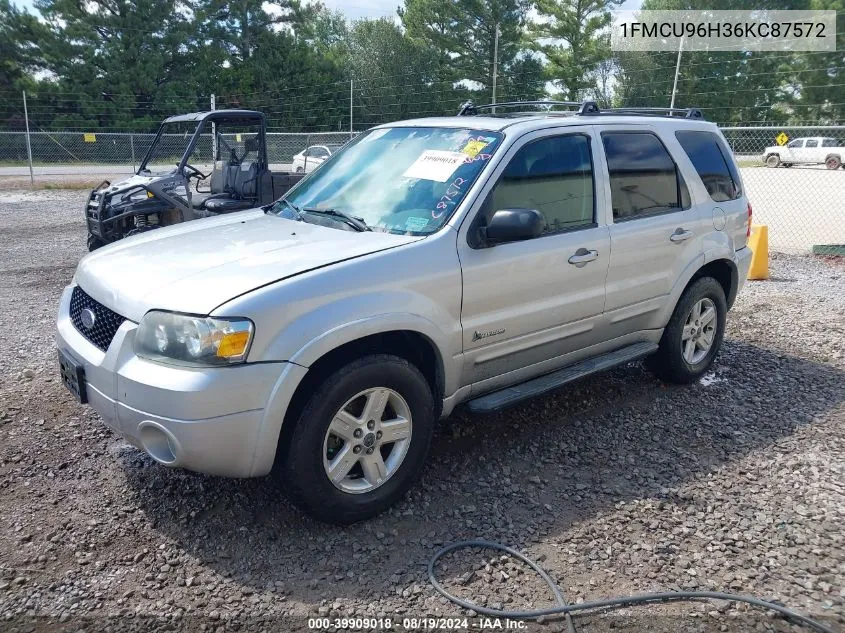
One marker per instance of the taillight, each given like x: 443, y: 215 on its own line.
x: 748, y: 229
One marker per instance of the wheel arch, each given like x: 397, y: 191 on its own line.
x: 722, y: 270
x: 412, y: 345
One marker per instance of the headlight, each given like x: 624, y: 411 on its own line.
x: 193, y: 340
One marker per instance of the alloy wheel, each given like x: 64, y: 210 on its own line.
x: 699, y: 331
x: 367, y: 440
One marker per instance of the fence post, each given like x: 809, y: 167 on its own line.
x: 351, y: 99
x: 28, y: 143
x: 132, y: 146
x: 213, y: 133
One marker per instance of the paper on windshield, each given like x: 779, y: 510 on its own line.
x: 435, y: 164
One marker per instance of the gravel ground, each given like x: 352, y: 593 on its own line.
x: 618, y: 484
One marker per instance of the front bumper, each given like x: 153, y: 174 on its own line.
x: 214, y: 420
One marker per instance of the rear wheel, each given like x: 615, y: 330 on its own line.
x: 359, y: 442
x: 772, y: 160
x: 694, y: 334
x: 833, y: 162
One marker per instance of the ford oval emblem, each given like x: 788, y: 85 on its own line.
x: 88, y: 318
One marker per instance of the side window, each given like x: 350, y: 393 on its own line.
x: 710, y: 163
x: 796, y: 143
x: 554, y: 176
x: 829, y: 142
x: 321, y: 152
x: 812, y: 143
x: 643, y: 177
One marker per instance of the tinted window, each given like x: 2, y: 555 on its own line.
x: 643, y: 177
x: 555, y: 177
x: 812, y: 143
x: 830, y: 142
x: 707, y: 158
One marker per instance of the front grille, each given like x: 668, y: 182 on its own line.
x: 106, y: 322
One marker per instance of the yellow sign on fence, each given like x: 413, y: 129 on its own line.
x: 781, y: 138
x: 89, y: 138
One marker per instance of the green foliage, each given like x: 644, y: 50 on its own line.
x: 572, y: 35
x: 126, y: 64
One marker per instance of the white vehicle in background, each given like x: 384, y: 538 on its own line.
x: 814, y: 150
x: 309, y: 159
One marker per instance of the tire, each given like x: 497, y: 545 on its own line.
x: 308, y: 449
x: 772, y: 160
x: 833, y: 162
x: 300, y: 170
x: 94, y: 243
x: 669, y: 362
x: 787, y: 165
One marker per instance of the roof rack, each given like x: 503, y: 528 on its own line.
x: 687, y: 113
x: 584, y: 108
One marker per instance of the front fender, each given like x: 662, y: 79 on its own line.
x: 321, y: 344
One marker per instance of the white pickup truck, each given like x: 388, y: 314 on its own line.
x: 814, y: 150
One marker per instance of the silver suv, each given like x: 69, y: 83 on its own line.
x: 476, y: 259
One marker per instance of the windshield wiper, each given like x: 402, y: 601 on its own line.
x: 356, y: 223
x: 297, y: 212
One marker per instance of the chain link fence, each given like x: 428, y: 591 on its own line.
x: 75, y: 153
x: 800, y: 199
x: 800, y: 195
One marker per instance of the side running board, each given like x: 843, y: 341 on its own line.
x: 536, y: 386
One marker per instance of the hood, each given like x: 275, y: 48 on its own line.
x: 197, y: 266
x: 129, y: 183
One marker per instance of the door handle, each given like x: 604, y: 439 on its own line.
x: 680, y: 235
x: 582, y: 257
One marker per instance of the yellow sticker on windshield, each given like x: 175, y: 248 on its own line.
x: 473, y: 148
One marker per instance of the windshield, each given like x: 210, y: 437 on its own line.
x: 172, y: 144
x: 398, y: 180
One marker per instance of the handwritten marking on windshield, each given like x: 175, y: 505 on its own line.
x: 452, y: 191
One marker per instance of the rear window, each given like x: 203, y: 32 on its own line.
x: 643, y: 178
x: 830, y: 142
x: 713, y: 167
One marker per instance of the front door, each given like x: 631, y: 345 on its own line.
x: 529, y: 302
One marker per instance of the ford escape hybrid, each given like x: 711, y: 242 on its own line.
x: 477, y: 259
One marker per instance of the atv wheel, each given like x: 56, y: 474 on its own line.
x: 141, y: 229
x: 94, y: 243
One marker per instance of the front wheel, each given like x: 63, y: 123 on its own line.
x: 694, y: 334
x: 359, y: 442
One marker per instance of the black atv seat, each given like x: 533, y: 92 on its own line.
x: 242, y: 195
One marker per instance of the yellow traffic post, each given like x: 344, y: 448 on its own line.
x: 758, y: 242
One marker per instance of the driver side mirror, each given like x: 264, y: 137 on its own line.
x: 512, y: 225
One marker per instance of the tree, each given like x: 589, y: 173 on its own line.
x: 572, y: 36
x: 117, y: 58
x: 462, y: 37
x: 19, y: 59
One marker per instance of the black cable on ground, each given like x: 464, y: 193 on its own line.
x: 562, y: 608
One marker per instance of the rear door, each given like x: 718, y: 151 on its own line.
x: 656, y: 231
